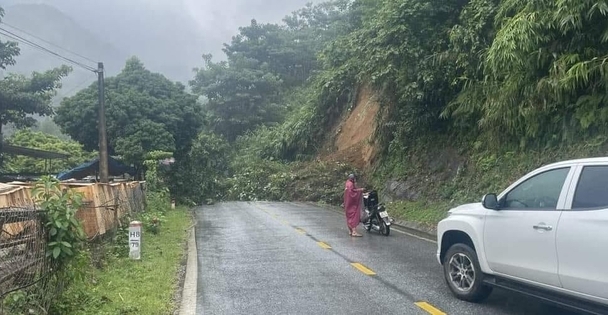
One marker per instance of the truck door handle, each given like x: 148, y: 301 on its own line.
x: 542, y: 226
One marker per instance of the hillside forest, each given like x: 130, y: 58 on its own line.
x: 431, y: 102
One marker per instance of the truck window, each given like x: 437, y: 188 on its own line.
x: 541, y: 191
x: 592, y: 188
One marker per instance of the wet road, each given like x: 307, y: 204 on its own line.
x: 290, y: 258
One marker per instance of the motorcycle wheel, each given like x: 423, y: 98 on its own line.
x: 385, y: 229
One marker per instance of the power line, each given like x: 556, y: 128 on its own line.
x: 103, y: 149
x: 77, y: 87
x: 43, y: 40
x: 18, y: 38
x: 44, y: 49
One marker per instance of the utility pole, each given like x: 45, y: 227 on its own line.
x: 103, y: 141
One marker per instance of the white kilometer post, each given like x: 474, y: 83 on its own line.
x: 135, y: 240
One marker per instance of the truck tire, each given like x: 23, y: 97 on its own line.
x: 463, y: 274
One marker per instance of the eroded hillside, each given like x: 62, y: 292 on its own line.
x: 352, y: 140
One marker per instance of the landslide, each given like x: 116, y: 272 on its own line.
x: 434, y: 172
x: 352, y: 139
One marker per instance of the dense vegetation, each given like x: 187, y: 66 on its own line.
x: 467, y: 88
x: 499, y: 83
x: 145, y: 112
x: 42, y: 141
x: 22, y: 96
x: 112, y: 282
x: 473, y: 94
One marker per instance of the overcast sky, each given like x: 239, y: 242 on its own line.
x: 168, y: 35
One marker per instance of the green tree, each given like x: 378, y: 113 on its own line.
x: 269, y: 45
x: 241, y: 95
x: 145, y: 112
x: 289, y: 50
x: 49, y: 127
x: 266, y: 64
x: 8, y: 50
x: 470, y: 38
x: 395, y: 46
x: 42, y: 141
x: 199, y: 176
x: 544, y: 73
x: 22, y: 96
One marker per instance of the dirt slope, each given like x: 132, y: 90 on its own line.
x: 352, y: 140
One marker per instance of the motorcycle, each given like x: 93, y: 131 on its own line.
x: 377, y: 217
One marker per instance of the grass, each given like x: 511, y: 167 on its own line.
x: 424, y: 166
x: 125, y: 286
x: 423, y: 212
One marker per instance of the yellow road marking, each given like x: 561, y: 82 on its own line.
x: 429, y: 308
x: 363, y: 269
x: 323, y: 245
x: 274, y: 215
x: 301, y: 231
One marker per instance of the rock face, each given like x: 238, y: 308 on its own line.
x: 401, y: 190
x: 434, y: 169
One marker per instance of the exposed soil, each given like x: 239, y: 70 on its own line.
x: 353, y: 138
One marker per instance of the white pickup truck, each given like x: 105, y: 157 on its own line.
x: 546, y: 235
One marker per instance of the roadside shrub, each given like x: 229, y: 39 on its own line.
x: 258, y: 180
x: 65, y: 250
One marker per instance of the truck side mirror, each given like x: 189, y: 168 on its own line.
x: 490, y: 201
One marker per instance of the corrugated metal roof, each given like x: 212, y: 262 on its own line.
x: 16, y: 150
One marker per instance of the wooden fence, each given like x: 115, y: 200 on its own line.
x: 103, y: 203
x: 22, y: 237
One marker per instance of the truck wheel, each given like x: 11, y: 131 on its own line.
x: 463, y: 274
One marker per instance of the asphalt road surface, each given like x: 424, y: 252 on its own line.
x: 291, y: 258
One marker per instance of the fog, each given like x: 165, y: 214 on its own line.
x: 168, y: 35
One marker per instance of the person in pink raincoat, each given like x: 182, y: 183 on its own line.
x: 352, y: 205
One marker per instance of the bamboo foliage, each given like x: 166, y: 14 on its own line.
x: 544, y: 71
x: 512, y: 72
